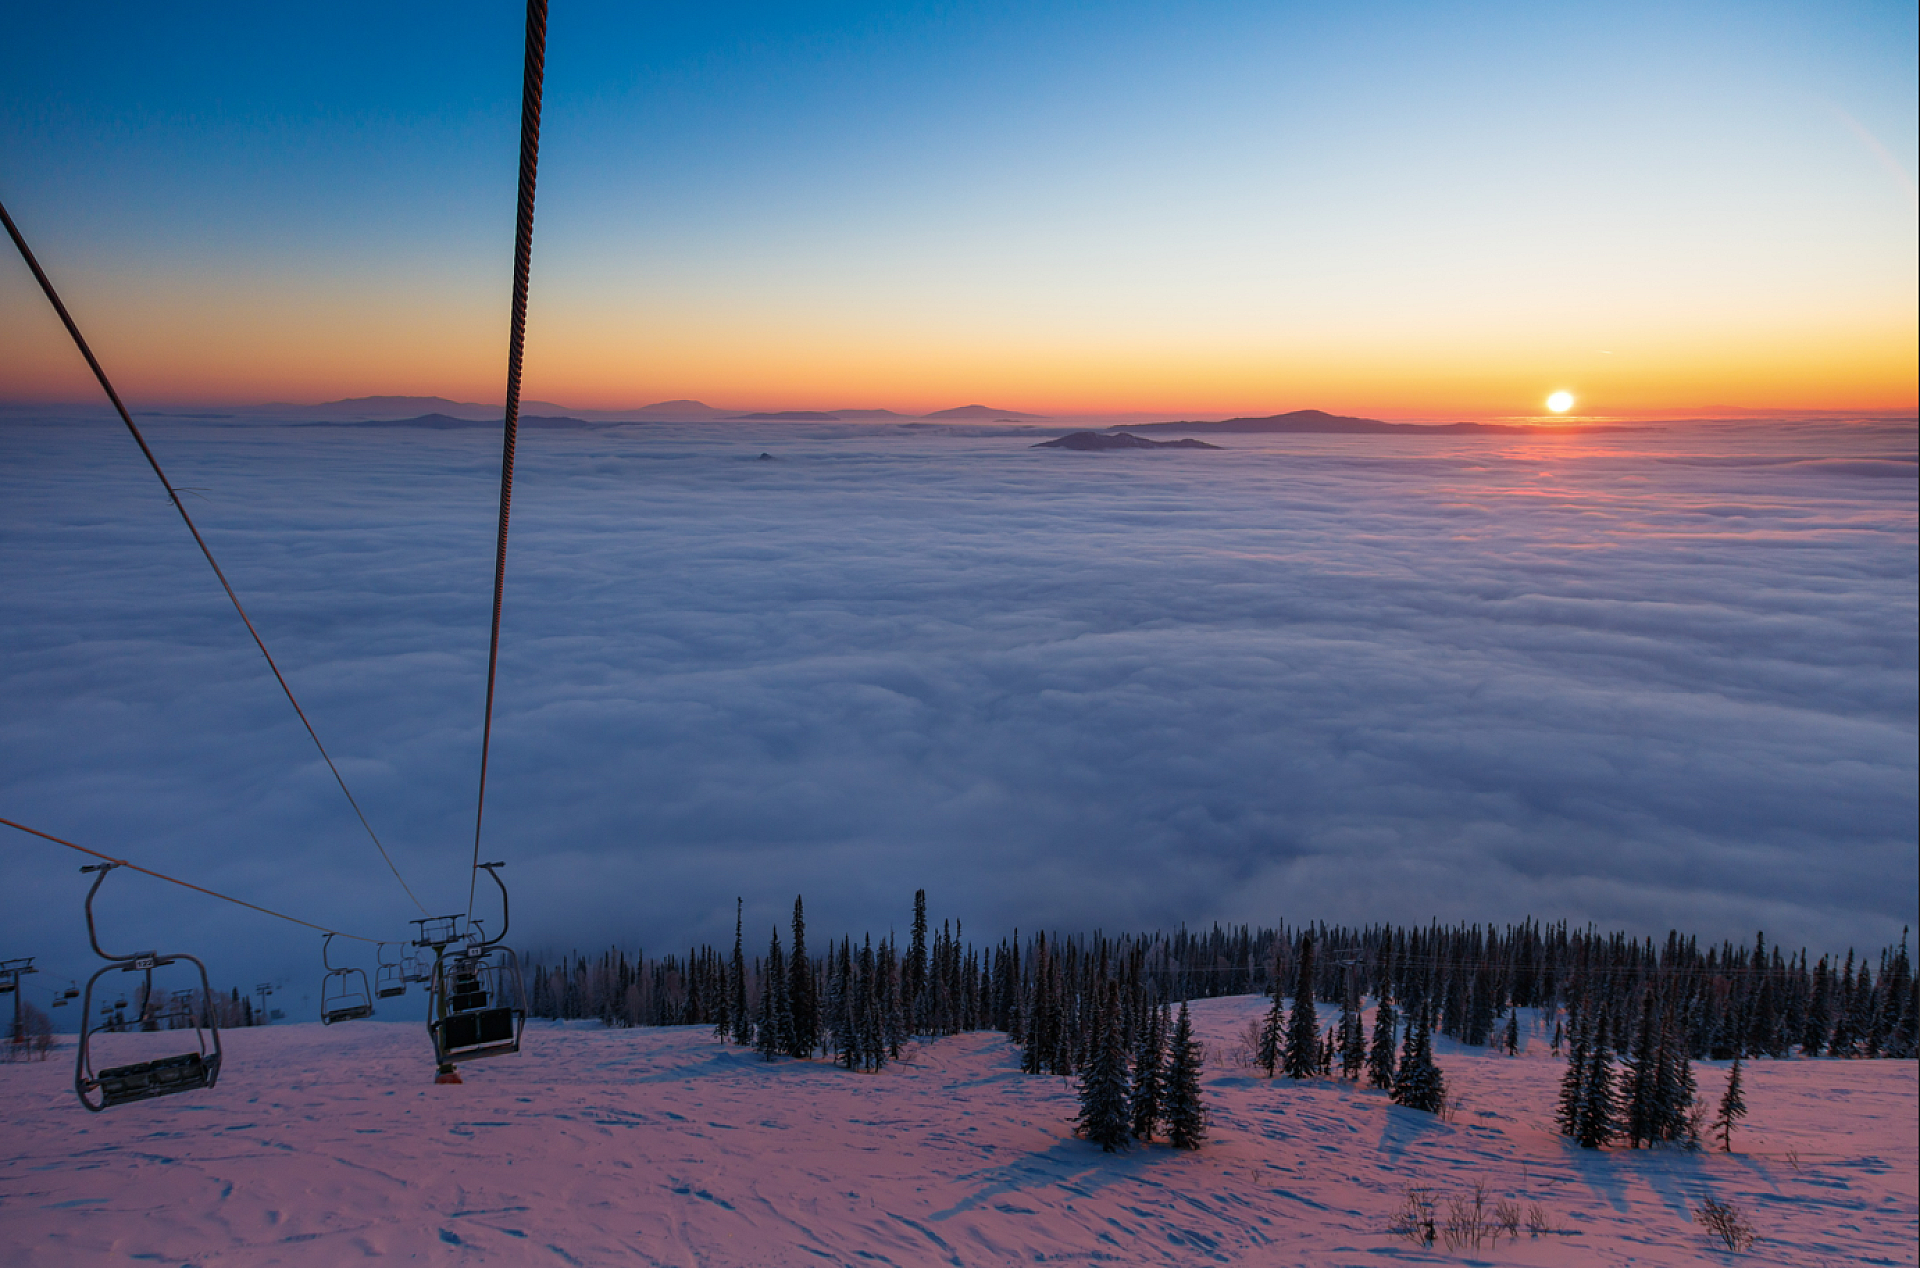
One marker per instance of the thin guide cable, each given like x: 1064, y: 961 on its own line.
x: 53, y: 297
x: 198, y: 889
x: 530, y: 88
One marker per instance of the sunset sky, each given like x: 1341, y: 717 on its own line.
x: 1403, y: 210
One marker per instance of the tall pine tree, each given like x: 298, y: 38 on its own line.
x: 1106, y: 1116
x: 800, y: 995
x: 1186, y: 1116
x: 1303, y: 1027
x: 1150, y: 1073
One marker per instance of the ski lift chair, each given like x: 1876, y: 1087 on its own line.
x: 143, y: 1080
x: 344, y: 995
x: 476, y: 998
x: 389, y: 980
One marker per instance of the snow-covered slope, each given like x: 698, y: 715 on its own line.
x: 332, y: 1146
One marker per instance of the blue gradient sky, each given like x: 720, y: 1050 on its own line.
x: 1395, y: 208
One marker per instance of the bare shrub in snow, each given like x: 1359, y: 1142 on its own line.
x: 1246, y: 1045
x: 1725, y: 1224
x: 1538, y: 1221
x: 1414, y: 1220
x: 1472, y: 1221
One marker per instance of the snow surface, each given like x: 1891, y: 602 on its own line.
x: 330, y: 1146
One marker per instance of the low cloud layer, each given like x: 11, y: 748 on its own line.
x: 1645, y: 680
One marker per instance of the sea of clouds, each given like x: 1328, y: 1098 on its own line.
x: 1648, y: 680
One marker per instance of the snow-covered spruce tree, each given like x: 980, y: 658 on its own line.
x: 1818, y: 1022
x: 892, y: 1007
x: 1573, y: 1083
x: 774, y: 1035
x: 1380, y: 1054
x: 842, y: 999
x: 1417, y: 1083
x: 801, y: 1000
x: 1150, y: 1073
x: 1643, y: 1076
x: 1590, y: 1115
x: 1677, y: 1089
x: 1302, y: 1058
x: 736, y: 1022
x: 870, y: 1030
x: 1733, y: 1108
x: 1105, y: 1109
x: 914, y: 974
x: 1186, y: 1116
x: 1273, y: 1032
x: 1353, y: 1031
x: 1510, y: 1038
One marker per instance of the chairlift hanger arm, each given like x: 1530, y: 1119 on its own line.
x: 93, y: 935
x: 505, y: 915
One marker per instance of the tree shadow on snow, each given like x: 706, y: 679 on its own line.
x: 1070, y: 1166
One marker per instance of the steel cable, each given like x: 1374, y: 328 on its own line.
x: 53, y: 297
x: 530, y: 89
x: 198, y: 889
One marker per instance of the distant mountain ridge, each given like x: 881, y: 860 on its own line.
x: 1319, y: 422
x: 979, y: 411
x: 446, y: 422
x: 1094, y: 442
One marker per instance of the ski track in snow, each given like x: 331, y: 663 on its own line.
x: 326, y: 1146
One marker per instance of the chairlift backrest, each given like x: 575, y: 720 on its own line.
x: 344, y: 993
x: 389, y: 977
x: 142, y: 1080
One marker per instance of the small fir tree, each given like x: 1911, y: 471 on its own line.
x: 1510, y: 1040
x: 1353, y: 1031
x: 1380, y: 1054
x: 1186, y: 1116
x: 1273, y: 1033
x: 1733, y: 1108
x: 1417, y: 1084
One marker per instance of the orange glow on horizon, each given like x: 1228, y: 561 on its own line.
x: 163, y: 348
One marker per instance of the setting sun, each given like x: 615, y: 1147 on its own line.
x: 1560, y: 402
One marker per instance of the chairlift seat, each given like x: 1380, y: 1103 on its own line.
x: 145, y: 1080
x: 467, y: 1001
x: 388, y: 992
x: 483, y: 1032
x: 347, y: 1012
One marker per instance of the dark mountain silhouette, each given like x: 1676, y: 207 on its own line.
x: 979, y: 411
x: 793, y: 416
x: 446, y: 422
x: 1093, y: 441
x: 682, y: 409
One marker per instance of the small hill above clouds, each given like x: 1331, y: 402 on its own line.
x: 979, y: 411
x: 1094, y: 442
x: 682, y: 410
x: 790, y: 416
